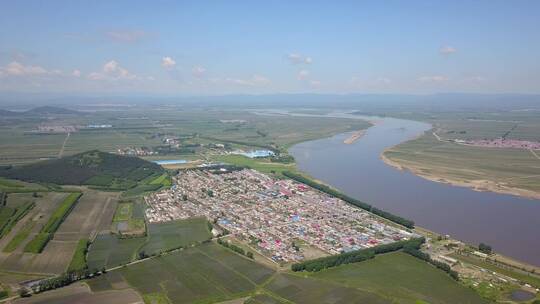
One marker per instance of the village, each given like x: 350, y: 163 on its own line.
x: 282, y: 219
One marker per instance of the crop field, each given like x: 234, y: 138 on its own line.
x: 38, y: 243
x: 307, y: 290
x: 9, y: 216
x: 39, y: 215
x: 201, y: 273
x: 509, y: 167
x: 263, y: 299
x: 20, y: 236
x: 174, y: 234
x: 78, y: 262
x: 139, y: 125
x: 163, y: 179
x: 14, y: 187
x: 123, y: 212
x: 128, y: 219
x: 401, y: 277
x: 93, y: 213
x: 479, y: 125
x: 80, y: 293
x: 108, y: 251
x: 17, y: 147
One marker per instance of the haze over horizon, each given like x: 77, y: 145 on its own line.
x: 170, y: 48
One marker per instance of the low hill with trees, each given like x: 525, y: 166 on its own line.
x: 94, y: 168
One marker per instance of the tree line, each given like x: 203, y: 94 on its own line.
x: 415, y: 252
x: 354, y: 256
x: 236, y: 249
x: 328, y: 190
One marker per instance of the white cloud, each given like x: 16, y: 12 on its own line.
x: 167, y: 62
x: 17, y: 69
x: 198, y: 71
x: 435, y: 78
x: 447, y: 50
x: 76, y: 73
x: 303, y: 75
x: 112, y: 71
x: 255, y: 80
x: 299, y: 59
x: 126, y: 36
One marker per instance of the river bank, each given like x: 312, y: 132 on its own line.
x: 476, y: 185
x: 359, y: 171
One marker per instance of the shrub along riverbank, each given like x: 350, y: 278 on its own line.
x: 326, y: 189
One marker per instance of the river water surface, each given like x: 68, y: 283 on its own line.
x: 510, y: 224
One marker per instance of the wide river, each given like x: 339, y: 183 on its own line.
x: 510, y: 224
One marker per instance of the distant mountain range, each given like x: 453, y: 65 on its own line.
x: 45, y: 110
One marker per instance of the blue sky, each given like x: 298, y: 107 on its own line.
x: 224, y: 47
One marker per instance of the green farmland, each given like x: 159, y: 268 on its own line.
x: 399, y: 276
x: 175, y: 234
x: 505, y: 168
x: 205, y: 273
x: 210, y: 273
x: 110, y: 251
x: 38, y: 243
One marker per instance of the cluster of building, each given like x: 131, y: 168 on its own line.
x: 502, y: 143
x: 136, y: 151
x: 56, y: 129
x: 254, y: 153
x: 171, y: 141
x: 282, y: 219
x: 99, y: 126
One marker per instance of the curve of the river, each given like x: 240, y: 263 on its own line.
x: 510, y: 224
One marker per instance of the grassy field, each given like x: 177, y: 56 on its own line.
x: 524, y: 277
x: 175, y: 234
x: 307, y: 290
x: 123, y: 212
x: 163, y: 179
x: 204, y: 273
x: 78, y: 262
x: 80, y: 293
x: 21, y: 235
x: 138, y: 127
x: 262, y: 165
x: 109, y: 251
x: 9, y: 216
x: 505, y: 168
x: 129, y: 220
x: 402, y: 278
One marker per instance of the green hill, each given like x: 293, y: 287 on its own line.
x: 39, y: 111
x: 88, y: 168
x: 50, y: 110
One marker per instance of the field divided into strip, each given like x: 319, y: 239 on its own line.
x: 206, y: 272
x: 109, y: 250
x: 92, y: 213
x: 38, y: 243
